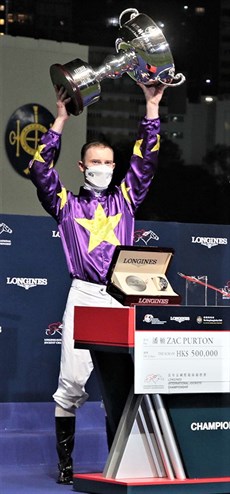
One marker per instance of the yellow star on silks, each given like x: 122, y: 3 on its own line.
x: 26, y: 171
x: 37, y: 156
x: 125, y: 191
x: 137, y: 148
x: 63, y: 197
x: 101, y: 228
x: 157, y: 145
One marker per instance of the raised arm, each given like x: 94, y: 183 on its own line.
x: 62, y: 114
x: 153, y: 96
x: 42, y: 173
x: 144, y: 160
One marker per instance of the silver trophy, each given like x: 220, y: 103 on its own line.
x: 143, y: 54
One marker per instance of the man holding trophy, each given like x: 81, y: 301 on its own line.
x: 91, y: 225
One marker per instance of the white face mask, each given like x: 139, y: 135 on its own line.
x: 98, y: 176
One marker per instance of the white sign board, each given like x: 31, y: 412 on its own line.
x: 182, y: 362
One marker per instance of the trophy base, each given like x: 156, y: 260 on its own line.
x: 61, y: 77
x: 79, y: 80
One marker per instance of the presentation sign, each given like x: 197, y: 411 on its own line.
x: 182, y: 362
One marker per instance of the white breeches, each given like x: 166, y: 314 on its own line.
x: 76, y: 364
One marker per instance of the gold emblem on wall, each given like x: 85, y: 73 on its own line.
x: 23, y: 133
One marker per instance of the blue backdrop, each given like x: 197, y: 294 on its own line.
x: 34, y: 285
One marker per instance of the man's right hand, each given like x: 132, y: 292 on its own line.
x: 62, y: 101
x: 62, y: 113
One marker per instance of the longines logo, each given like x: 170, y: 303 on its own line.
x: 26, y: 282
x: 179, y: 318
x: 209, y: 241
x: 153, y: 301
x: 23, y: 133
x: 130, y: 260
x: 55, y: 234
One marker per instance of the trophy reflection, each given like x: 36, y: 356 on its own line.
x: 142, y: 52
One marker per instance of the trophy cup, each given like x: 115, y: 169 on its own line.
x: 142, y: 52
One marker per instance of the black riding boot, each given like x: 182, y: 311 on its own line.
x: 65, y: 430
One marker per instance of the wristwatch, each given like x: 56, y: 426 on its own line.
x: 161, y: 283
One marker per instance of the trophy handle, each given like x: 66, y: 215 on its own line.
x: 179, y: 78
x: 134, y: 14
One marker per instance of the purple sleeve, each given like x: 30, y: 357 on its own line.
x: 143, y: 163
x: 43, y: 174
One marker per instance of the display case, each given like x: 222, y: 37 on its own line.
x: 138, y: 276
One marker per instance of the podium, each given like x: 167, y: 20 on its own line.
x: 147, y: 454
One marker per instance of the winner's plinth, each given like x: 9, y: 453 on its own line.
x: 146, y: 455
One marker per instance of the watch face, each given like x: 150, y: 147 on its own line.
x: 136, y: 283
x: 162, y: 283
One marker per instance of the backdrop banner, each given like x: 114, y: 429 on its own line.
x: 34, y: 285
